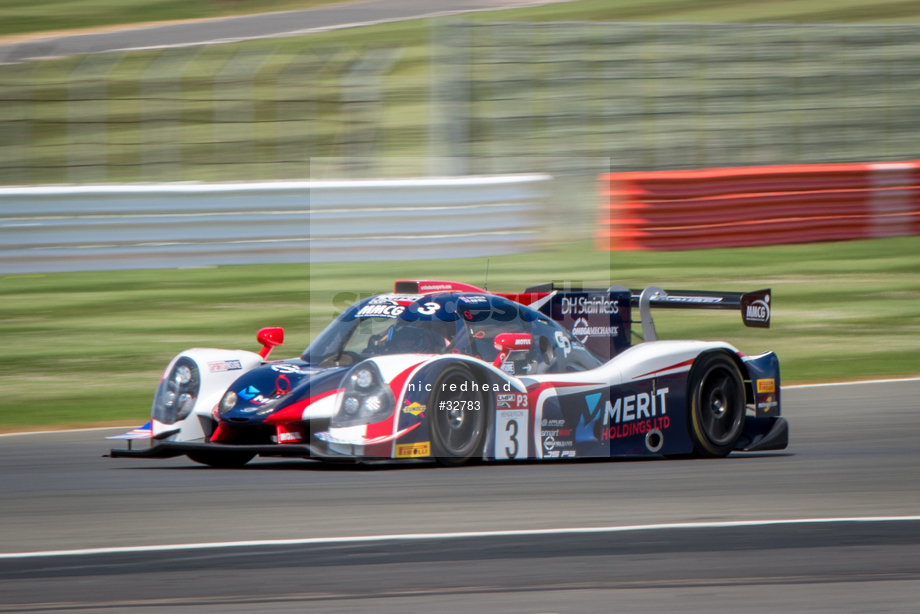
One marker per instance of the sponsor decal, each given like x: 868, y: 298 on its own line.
x: 549, y: 443
x: 414, y: 409
x: 635, y: 428
x: 556, y: 433
x: 394, y: 299
x: 755, y: 309
x: 553, y: 422
x: 289, y: 368
x: 692, y: 299
x: 511, y: 401
x: 582, y: 331
x: 282, y: 385
x: 584, y: 305
x: 508, y: 367
x: 641, y: 410
x: 758, y: 311
x: 413, y: 450
x: 288, y: 436
x: 380, y: 311
x: 254, y: 396
x: 767, y: 403
x: 563, y: 342
x: 568, y: 454
x: 766, y: 385
x: 473, y: 300
x: 432, y: 287
x: 552, y: 454
x: 249, y: 393
x: 224, y: 365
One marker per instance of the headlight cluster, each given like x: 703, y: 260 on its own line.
x: 176, y: 395
x: 366, y: 398
x: 228, y: 402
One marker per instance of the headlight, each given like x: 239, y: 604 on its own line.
x: 364, y: 379
x: 228, y: 402
x: 176, y: 395
x: 366, y: 398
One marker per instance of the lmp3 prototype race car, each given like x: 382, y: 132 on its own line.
x: 445, y: 371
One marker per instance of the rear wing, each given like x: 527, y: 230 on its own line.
x: 606, y: 332
x: 754, y: 306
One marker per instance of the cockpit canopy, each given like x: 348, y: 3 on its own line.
x: 459, y: 323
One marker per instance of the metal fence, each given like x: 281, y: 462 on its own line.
x: 470, y: 98
x: 104, y: 227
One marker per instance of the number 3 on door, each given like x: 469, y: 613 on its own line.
x: 511, y: 434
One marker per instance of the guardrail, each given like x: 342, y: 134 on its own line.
x: 101, y: 227
x: 734, y: 207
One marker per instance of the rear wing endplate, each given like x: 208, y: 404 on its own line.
x: 754, y: 306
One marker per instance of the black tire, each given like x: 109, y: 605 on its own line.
x: 716, y: 409
x: 223, y: 460
x: 456, y: 434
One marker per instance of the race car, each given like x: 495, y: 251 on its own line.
x: 445, y: 371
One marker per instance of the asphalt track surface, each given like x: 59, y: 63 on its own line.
x: 853, y: 453
x: 248, y: 27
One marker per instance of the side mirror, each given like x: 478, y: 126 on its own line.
x: 511, y: 342
x: 269, y: 338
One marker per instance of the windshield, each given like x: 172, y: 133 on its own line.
x: 350, y: 340
x: 410, y: 324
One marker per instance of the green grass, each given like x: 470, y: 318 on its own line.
x: 88, y: 348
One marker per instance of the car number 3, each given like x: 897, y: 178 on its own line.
x: 512, y: 428
x: 429, y: 309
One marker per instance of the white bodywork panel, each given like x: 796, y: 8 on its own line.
x: 214, y: 384
x: 643, y: 361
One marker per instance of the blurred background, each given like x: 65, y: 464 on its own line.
x: 543, y: 99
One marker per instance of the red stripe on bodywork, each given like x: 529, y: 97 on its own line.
x: 223, y: 433
x: 387, y: 438
x: 541, y: 386
x: 677, y: 366
x: 294, y: 412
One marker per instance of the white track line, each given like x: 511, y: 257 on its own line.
x: 462, y: 535
x: 97, y: 428
x: 871, y: 381
x: 275, y: 35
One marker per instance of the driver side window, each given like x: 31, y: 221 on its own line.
x: 557, y: 351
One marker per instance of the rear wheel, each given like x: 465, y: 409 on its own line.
x: 717, y: 407
x: 457, y: 418
x: 224, y: 460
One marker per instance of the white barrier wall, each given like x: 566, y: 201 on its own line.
x: 102, y: 227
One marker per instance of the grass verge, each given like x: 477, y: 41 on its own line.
x: 88, y: 348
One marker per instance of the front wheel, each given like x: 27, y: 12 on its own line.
x: 457, y: 417
x: 223, y: 460
x: 717, y: 406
